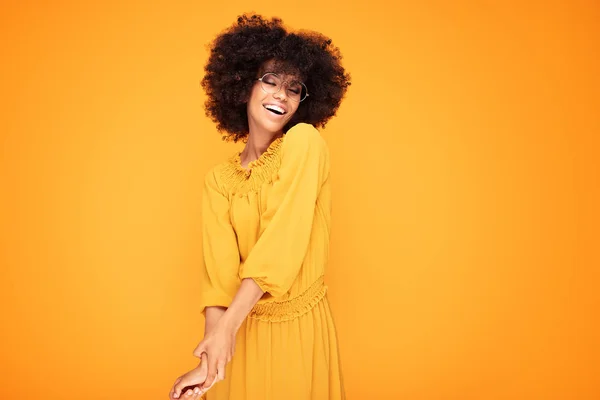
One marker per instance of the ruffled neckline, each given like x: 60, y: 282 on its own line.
x: 264, y: 159
x: 242, y: 181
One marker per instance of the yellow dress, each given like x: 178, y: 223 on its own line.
x: 271, y: 222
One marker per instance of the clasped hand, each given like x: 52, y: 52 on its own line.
x: 215, y: 351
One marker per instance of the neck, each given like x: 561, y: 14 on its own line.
x: 258, y: 142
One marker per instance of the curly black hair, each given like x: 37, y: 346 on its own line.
x: 237, y: 55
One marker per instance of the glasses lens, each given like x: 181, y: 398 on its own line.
x: 296, y: 91
x: 271, y: 83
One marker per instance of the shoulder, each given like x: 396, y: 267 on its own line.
x: 213, y: 178
x: 304, y: 136
x: 304, y: 149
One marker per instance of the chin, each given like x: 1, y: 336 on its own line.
x: 273, y: 126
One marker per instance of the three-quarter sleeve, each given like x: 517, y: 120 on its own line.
x: 275, y: 260
x: 221, y: 258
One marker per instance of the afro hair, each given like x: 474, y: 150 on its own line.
x: 237, y: 55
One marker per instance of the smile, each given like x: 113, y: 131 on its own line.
x: 274, y: 109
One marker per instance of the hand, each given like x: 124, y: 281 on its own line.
x: 219, y: 346
x: 187, y: 386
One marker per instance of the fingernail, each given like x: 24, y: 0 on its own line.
x: 196, y: 390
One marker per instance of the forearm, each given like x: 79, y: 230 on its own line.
x: 246, y: 297
x: 213, y: 314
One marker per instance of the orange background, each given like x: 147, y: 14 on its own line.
x: 465, y: 248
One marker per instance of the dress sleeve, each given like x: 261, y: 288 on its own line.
x: 221, y: 257
x: 275, y: 260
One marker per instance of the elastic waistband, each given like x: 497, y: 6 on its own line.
x: 277, y: 311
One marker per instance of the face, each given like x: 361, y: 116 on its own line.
x: 265, y: 108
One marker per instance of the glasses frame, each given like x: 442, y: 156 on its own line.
x: 280, y: 86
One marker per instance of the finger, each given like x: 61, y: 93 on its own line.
x: 221, y: 371
x: 197, y: 393
x: 179, y: 386
x: 189, y: 392
x: 210, y: 380
x: 203, y: 369
x: 210, y: 386
x: 199, y: 349
x: 172, y: 391
x: 212, y: 373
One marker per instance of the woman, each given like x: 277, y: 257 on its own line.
x: 266, y: 219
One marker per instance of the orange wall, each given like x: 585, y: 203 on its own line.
x: 465, y: 157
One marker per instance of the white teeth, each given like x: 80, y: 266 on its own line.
x: 273, y: 107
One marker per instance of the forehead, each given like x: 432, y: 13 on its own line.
x: 283, y: 69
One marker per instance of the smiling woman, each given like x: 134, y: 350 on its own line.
x: 266, y: 219
x: 253, y: 46
x: 267, y: 95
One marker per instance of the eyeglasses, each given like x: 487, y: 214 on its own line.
x: 295, y: 90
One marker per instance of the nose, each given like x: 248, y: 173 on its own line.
x: 281, y: 93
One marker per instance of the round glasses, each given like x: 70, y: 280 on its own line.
x: 295, y: 90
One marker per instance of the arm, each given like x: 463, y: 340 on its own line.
x: 219, y: 341
x: 246, y: 297
x: 212, y: 315
x: 221, y: 260
x: 286, y: 225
